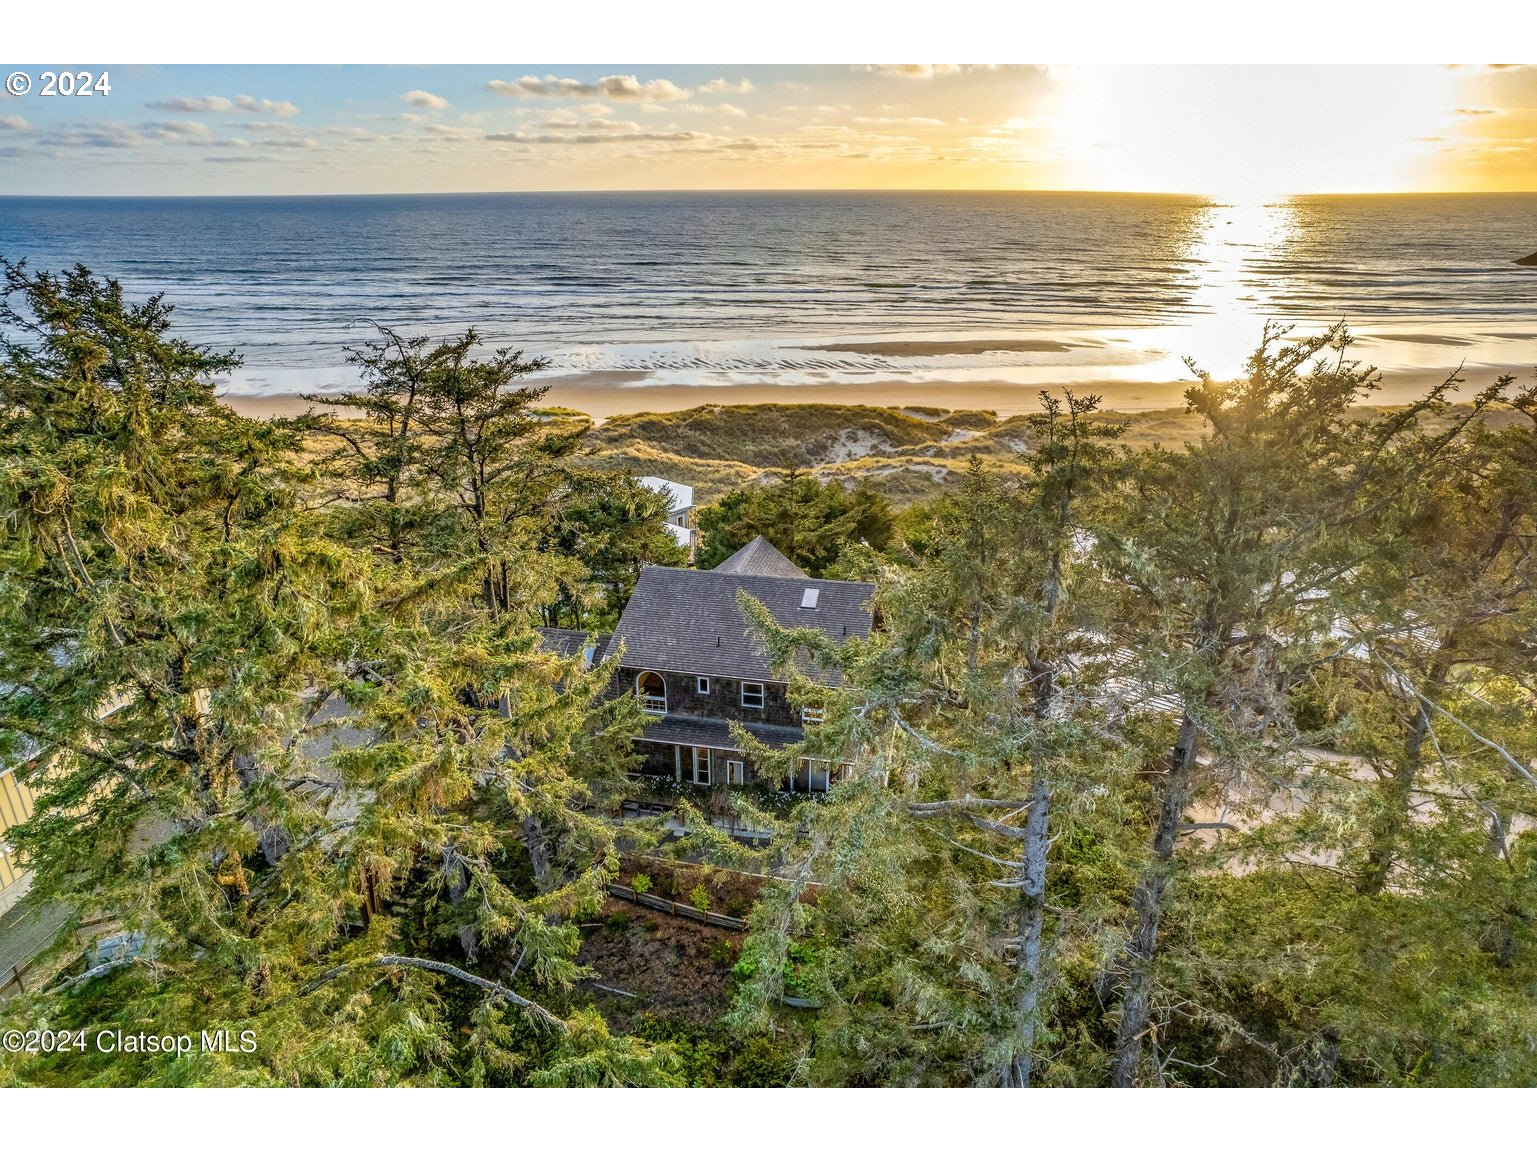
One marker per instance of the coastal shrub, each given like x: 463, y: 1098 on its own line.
x: 723, y: 952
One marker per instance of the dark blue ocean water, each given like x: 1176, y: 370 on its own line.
x: 742, y: 287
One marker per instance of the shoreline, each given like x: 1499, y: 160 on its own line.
x: 603, y: 395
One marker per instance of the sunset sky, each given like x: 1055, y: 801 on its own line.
x: 1241, y: 132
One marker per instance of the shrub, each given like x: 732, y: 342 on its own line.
x: 700, y: 897
x: 641, y: 883
x: 737, y: 905
x: 723, y: 952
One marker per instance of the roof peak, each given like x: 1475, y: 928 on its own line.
x: 758, y: 557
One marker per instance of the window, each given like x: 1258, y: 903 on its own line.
x: 811, y: 715
x: 652, y: 690
x: 702, y: 766
x: 752, y: 695
x: 702, y: 685
x: 809, y: 599
x: 811, y: 775
x: 736, y: 772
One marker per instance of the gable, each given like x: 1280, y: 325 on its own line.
x: 682, y: 620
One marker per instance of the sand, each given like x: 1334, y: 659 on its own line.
x: 942, y: 347
x: 605, y: 394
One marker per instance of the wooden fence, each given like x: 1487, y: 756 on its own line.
x: 677, y: 908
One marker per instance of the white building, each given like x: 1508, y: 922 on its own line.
x: 680, y: 517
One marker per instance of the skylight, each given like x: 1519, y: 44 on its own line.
x: 809, y: 598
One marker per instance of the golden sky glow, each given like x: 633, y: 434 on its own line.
x: 1244, y: 133
x: 1250, y: 133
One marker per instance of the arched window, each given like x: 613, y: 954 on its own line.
x: 652, y: 690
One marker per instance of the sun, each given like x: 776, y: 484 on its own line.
x: 1248, y: 134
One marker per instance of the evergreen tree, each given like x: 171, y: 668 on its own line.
x: 973, y: 716
x: 814, y: 523
x: 317, y: 768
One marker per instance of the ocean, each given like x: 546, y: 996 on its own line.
x: 654, y: 293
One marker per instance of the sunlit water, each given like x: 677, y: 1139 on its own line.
x: 718, y: 289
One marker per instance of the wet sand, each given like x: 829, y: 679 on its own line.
x: 605, y: 394
x: 942, y: 347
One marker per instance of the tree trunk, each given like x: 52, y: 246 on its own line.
x: 538, y: 845
x: 1136, y: 999
x: 1032, y: 917
x: 1397, y: 791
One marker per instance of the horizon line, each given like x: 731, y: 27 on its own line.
x: 1214, y: 196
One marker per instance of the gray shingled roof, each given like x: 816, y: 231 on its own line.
x: 570, y: 641
x: 676, y: 728
x: 682, y: 620
x: 760, y: 558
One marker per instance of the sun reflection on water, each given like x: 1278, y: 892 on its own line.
x: 1229, y: 308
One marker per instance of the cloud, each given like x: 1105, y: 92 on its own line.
x: 605, y: 87
x: 107, y: 134
x: 116, y: 134
x: 177, y: 128
x: 267, y: 107
x: 14, y: 124
x: 917, y: 121
x: 193, y: 104
x: 722, y: 85
x: 200, y: 104
x: 453, y: 132
x: 419, y: 98
x: 930, y: 71
x: 270, y: 128
x: 1475, y: 111
x: 721, y: 109
x: 912, y: 71
x: 596, y: 124
x: 593, y: 137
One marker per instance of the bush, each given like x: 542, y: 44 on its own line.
x: 619, y: 921
x: 723, y: 952
x: 700, y: 897
x: 737, y: 905
x: 641, y: 883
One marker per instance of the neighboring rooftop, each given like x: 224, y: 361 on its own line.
x: 760, y: 558
x: 573, y: 641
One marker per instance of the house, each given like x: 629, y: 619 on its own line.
x: 689, y: 657
x: 15, y: 807
x: 680, y: 516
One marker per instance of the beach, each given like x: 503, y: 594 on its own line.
x: 601, y: 395
x: 636, y: 302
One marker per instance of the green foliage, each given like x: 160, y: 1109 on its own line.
x: 286, y: 714
x: 820, y: 526
x: 1332, y: 604
x: 293, y: 734
x: 612, y: 526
